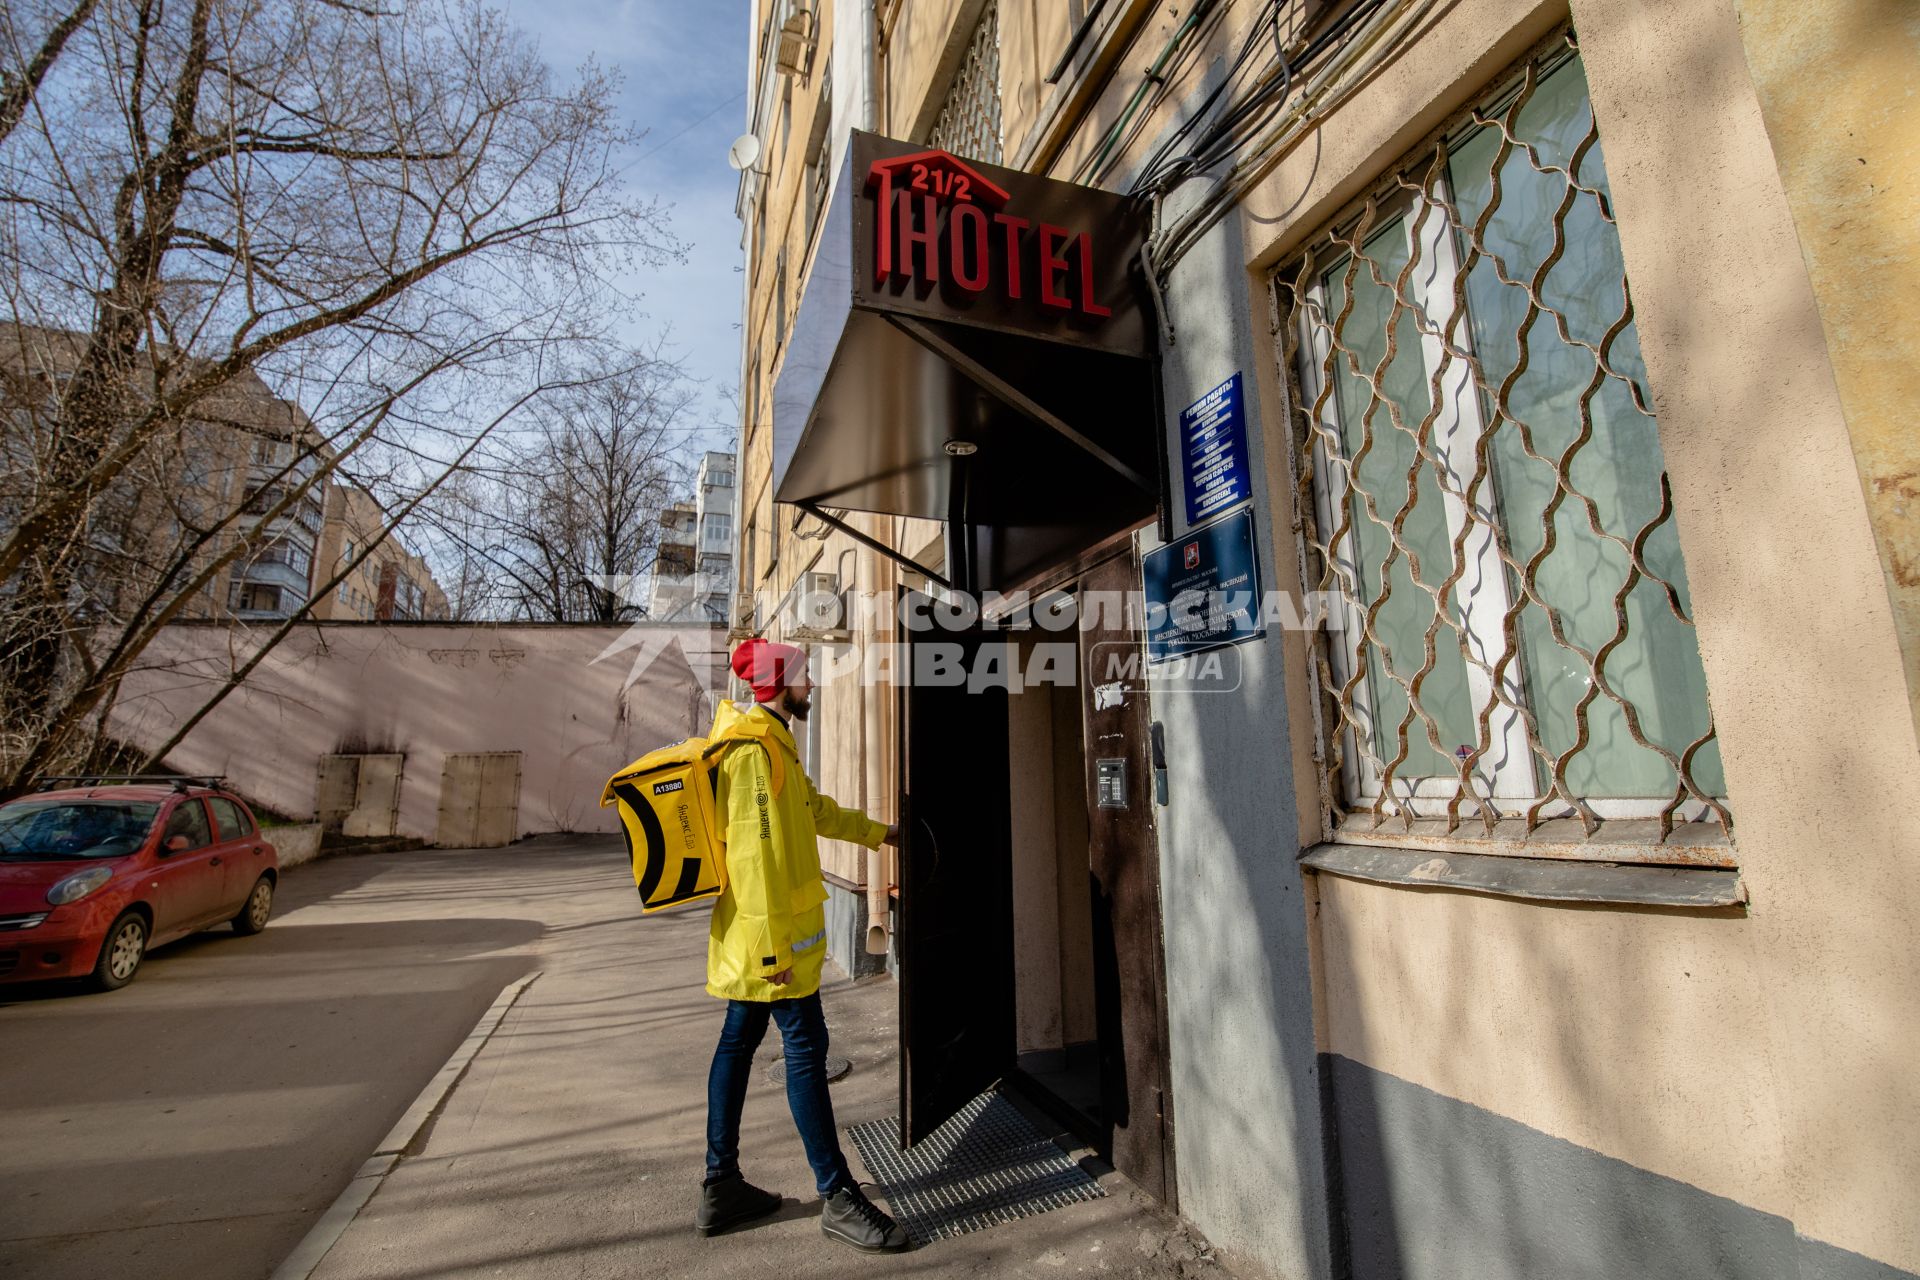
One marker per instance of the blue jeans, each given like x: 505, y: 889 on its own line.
x: 803, y: 1033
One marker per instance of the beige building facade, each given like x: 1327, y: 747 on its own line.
x: 389, y: 583
x: 228, y: 467
x: 1546, y: 911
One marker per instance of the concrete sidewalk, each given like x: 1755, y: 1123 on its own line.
x: 572, y: 1146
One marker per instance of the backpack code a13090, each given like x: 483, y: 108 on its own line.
x: 675, y: 835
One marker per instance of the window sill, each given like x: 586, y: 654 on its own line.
x: 1535, y: 879
x: 1636, y: 840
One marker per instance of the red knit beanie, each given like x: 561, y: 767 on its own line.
x: 767, y: 666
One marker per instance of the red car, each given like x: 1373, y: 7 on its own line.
x: 93, y: 876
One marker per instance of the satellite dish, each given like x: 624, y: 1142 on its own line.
x: 744, y: 152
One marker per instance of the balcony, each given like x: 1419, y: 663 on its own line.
x: 306, y: 514
x: 274, y: 572
x: 261, y: 474
x: 264, y: 602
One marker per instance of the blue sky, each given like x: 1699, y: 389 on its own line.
x: 685, y: 72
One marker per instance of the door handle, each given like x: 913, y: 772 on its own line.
x: 213, y: 862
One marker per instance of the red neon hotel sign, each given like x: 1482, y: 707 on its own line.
x: 940, y: 222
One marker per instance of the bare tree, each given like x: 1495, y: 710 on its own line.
x: 458, y: 527
x: 391, y: 214
x: 566, y: 511
x: 245, y: 661
x: 29, y: 64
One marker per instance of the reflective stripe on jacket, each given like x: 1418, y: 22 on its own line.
x: 772, y: 915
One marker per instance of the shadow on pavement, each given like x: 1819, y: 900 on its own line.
x: 196, y: 1122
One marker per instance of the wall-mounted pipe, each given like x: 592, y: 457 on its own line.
x: 875, y: 576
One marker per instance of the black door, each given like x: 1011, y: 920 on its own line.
x: 956, y: 876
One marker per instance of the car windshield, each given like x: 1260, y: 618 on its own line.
x: 36, y: 830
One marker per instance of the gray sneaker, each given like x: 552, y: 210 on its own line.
x: 849, y: 1217
x: 730, y: 1202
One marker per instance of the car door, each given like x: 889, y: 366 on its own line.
x: 242, y: 854
x: 186, y: 886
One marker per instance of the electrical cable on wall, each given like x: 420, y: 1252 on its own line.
x: 1254, y: 119
x: 1090, y: 169
x: 1161, y: 168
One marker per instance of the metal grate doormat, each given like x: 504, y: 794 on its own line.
x: 986, y: 1165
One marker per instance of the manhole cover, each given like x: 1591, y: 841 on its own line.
x: 988, y: 1164
x: 836, y: 1067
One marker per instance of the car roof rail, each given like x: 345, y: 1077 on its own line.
x: 178, y: 781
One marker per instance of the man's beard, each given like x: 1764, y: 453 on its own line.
x: 798, y: 706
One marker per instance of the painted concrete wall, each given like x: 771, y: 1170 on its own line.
x: 924, y: 45
x: 1801, y: 652
x: 847, y: 932
x: 1835, y: 87
x: 1439, y: 1189
x: 1749, y: 1063
x: 1594, y: 1066
x: 1036, y: 886
x: 1239, y: 995
x: 295, y: 844
x: 427, y: 691
x: 1033, y: 35
x: 1052, y: 910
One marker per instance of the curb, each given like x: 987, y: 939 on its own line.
x: 403, y: 1139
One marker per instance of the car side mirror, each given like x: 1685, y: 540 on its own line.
x: 176, y: 844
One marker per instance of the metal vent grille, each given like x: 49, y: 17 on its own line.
x: 1484, y: 504
x: 986, y: 1165
x: 969, y: 121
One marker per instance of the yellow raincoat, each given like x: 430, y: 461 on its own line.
x: 772, y: 915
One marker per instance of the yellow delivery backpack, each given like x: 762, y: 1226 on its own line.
x: 675, y: 837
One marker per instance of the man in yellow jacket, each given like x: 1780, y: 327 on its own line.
x: 765, y: 948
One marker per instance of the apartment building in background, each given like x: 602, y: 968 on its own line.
x: 390, y: 583
x: 693, y: 571
x: 228, y: 467
x: 671, y: 593
x: 713, y: 506
x: 274, y: 579
x: 1530, y: 895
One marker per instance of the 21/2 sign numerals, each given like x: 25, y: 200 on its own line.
x: 954, y: 186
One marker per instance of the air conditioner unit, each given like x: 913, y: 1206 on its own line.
x: 793, y: 49
x: 741, y: 620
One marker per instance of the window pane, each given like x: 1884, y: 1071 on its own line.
x: 1619, y: 469
x: 1384, y: 457
x: 189, y: 820
x: 227, y: 816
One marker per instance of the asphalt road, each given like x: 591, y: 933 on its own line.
x: 196, y: 1123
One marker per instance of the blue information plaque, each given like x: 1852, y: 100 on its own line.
x: 1203, y: 589
x: 1213, y: 451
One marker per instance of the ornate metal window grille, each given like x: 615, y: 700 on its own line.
x: 1482, y: 495
x: 969, y: 121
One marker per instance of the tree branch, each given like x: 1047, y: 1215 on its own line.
x: 17, y: 90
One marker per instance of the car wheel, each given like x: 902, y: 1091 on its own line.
x: 253, y: 917
x: 120, y: 955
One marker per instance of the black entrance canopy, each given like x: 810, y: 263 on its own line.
x: 971, y: 346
